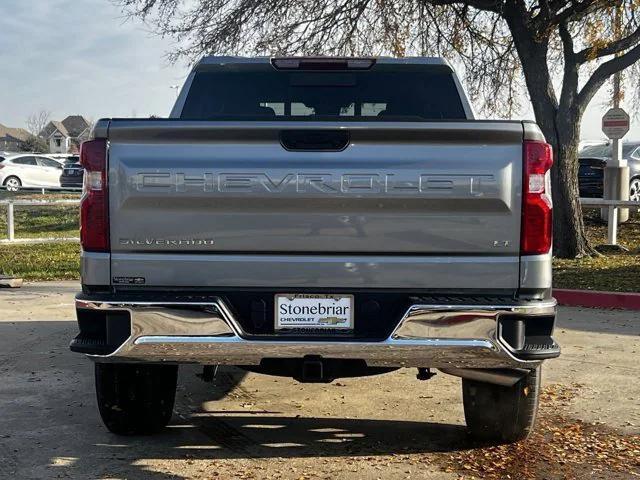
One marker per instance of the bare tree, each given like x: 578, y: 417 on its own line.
x: 559, y: 51
x: 37, y: 121
x: 91, y: 122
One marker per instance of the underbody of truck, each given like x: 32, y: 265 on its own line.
x: 319, y: 218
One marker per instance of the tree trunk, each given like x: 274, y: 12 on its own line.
x: 562, y: 131
x: 560, y: 125
x: 569, y: 239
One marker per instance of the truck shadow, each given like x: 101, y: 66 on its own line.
x: 215, y: 443
x: 261, y: 436
x: 216, y: 439
x: 267, y: 434
x: 47, y: 393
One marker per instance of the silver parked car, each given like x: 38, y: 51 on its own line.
x: 29, y: 170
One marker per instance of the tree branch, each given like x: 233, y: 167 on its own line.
x: 486, y: 5
x: 545, y: 8
x: 593, y: 52
x: 567, y: 41
x: 604, y: 71
x: 577, y: 10
x: 570, y: 77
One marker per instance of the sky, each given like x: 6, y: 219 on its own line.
x: 80, y: 57
x: 83, y: 57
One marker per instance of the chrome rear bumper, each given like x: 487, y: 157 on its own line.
x: 437, y: 336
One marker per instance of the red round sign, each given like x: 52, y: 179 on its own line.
x: 615, y: 123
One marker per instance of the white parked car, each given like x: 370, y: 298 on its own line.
x: 29, y: 170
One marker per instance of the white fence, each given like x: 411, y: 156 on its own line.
x: 10, y: 204
x: 42, y: 190
x: 613, y: 206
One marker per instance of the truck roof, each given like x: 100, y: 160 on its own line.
x: 222, y: 60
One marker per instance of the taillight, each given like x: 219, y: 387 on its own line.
x: 537, y: 208
x: 94, y: 205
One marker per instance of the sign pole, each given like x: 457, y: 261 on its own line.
x: 615, y: 125
x: 612, y: 226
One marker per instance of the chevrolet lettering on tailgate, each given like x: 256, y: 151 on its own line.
x: 347, y: 183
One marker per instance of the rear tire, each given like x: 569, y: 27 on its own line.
x: 12, y: 184
x: 497, y: 414
x: 135, y: 399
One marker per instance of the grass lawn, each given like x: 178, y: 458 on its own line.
x: 613, y: 272
x: 43, y: 261
x: 34, y: 221
x: 618, y: 272
x: 59, y: 221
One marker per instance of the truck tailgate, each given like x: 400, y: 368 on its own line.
x: 423, y: 191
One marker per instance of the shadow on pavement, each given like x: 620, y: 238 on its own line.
x: 50, y: 425
x: 258, y: 436
x: 263, y: 434
x: 252, y: 437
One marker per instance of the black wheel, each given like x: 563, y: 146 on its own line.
x: 12, y: 184
x: 497, y: 414
x: 135, y: 399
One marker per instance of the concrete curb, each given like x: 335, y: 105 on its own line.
x: 10, y: 282
x: 592, y: 299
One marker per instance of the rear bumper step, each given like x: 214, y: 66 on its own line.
x: 205, y: 331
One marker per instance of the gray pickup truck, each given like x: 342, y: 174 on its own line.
x: 318, y: 218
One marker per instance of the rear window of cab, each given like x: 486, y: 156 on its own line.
x: 384, y: 93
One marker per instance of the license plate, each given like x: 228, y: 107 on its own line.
x: 313, y: 312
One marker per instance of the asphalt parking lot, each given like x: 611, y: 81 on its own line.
x: 253, y: 426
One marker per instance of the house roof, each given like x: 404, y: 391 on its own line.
x: 17, y: 133
x: 52, y: 127
x: 75, y: 125
x: 72, y: 126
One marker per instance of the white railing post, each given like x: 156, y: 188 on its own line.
x: 612, y: 228
x: 614, y: 207
x: 10, y: 229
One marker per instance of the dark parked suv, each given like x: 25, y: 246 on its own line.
x: 593, y: 159
x: 72, y: 173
